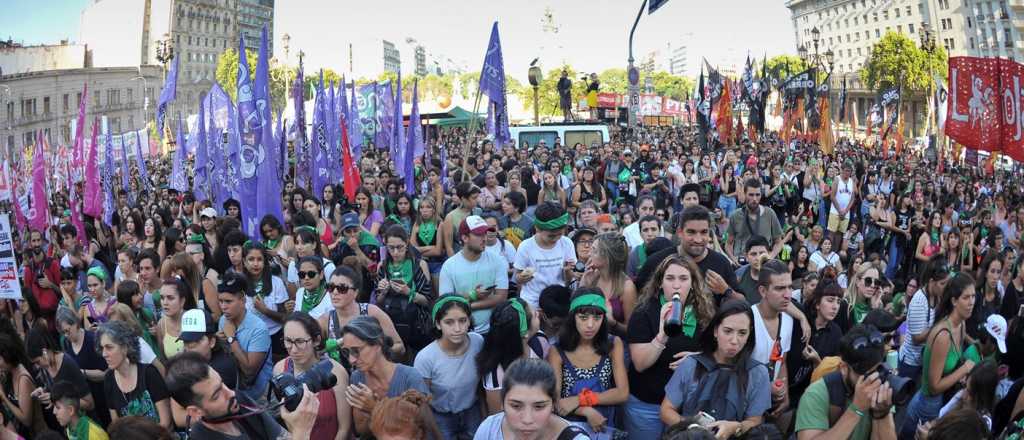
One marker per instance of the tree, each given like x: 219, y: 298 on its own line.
x: 668, y: 85
x: 227, y: 76
x: 896, y: 60
x: 548, y: 91
x: 785, y: 66
x: 614, y: 80
x: 311, y: 80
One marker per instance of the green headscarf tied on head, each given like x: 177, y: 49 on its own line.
x: 98, y: 272
x: 306, y: 228
x: 444, y: 300
x: 196, y: 239
x: 588, y: 299
x: 555, y: 223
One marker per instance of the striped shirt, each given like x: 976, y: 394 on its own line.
x: 919, y: 320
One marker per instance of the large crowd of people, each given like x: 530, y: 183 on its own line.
x: 641, y: 288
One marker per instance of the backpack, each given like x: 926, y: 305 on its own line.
x: 836, y: 396
x: 706, y: 364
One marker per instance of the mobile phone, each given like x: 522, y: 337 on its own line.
x: 703, y: 419
x: 1020, y: 311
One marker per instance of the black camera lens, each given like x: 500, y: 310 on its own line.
x: 288, y: 387
x: 902, y: 388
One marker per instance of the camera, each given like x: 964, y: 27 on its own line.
x: 902, y: 388
x: 288, y: 387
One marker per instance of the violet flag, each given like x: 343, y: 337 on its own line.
x: 265, y: 151
x: 302, y: 151
x: 141, y: 163
x: 201, y: 179
x: 492, y: 84
x: 320, y: 172
x: 398, y: 133
x: 250, y: 148
x: 78, y: 150
x: 179, y: 182
x: 355, y: 124
x: 93, y: 204
x: 382, y: 138
x: 414, y: 142
x: 166, y: 96
x: 40, y: 208
x: 126, y: 174
x: 108, y: 181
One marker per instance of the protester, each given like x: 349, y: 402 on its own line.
x: 246, y: 335
x: 131, y: 388
x: 528, y: 400
x: 480, y: 277
x: 513, y: 334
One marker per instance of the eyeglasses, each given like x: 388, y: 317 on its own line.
x: 298, y: 343
x: 340, y: 288
x: 350, y: 352
x: 308, y: 274
x: 398, y: 248
x: 869, y: 281
x: 585, y: 242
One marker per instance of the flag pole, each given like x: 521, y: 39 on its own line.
x: 471, y: 131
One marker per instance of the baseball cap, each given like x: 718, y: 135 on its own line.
x: 349, y: 220
x: 627, y: 152
x: 475, y: 225
x: 208, y: 212
x: 996, y: 326
x: 195, y: 324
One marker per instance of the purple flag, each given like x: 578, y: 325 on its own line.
x: 355, y: 129
x: 443, y: 153
x: 331, y: 125
x: 398, y: 135
x: 108, y: 181
x: 141, y: 163
x: 302, y: 152
x: 93, y: 204
x: 39, y: 212
x: 321, y: 161
x: 222, y: 158
x: 78, y: 149
x: 126, y: 175
x: 267, y: 194
x: 179, y: 182
x: 166, y: 96
x: 250, y: 149
x: 492, y: 84
x: 385, y: 112
x: 414, y: 142
x: 201, y: 179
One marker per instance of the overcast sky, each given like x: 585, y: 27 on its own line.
x: 592, y: 35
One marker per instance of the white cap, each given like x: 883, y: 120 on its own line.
x: 193, y: 325
x: 208, y: 212
x: 996, y: 326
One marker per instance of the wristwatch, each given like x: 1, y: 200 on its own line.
x: 230, y: 340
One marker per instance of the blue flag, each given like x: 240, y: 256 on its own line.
x: 266, y: 194
x: 385, y: 111
x: 492, y: 84
x: 414, y: 142
x: 220, y: 120
x: 331, y: 123
x: 201, y: 179
x: 166, y: 96
x: 108, y: 181
x: 355, y: 130
x: 126, y: 174
x: 141, y: 163
x: 398, y: 133
x: 179, y: 181
x: 321, y: 161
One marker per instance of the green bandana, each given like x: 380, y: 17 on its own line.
x: 589, y: 299
x: 641, y: 255
x: 98, y: 272
x: 427, y: 232
x: 689, y: 318
x: 403, y: 271
x: 365, y: 239
x: 394, y: 218
x: 446, y: 299
x: 860, y: 311
x: 624, y: 175
x: 196, y: 239
x: 524, y: 325
x: 311, y: 301
x: 271, y: 244
x: 550, y: 225
x: 306, y: 228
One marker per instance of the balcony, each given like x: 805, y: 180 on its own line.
x: 1017, y: 4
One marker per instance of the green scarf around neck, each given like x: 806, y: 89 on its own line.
x: 312, y: 299
x: 427, y: 232
x: 689, y: 318
x: 403, y: 271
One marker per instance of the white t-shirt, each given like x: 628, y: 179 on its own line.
x: 507, y: 252
x: 318, y: 310
x: 821, y: 261
x: 547, y: 265
x: 146, y: 353
x: 919, y: 319
x: 490, y: 429
x: 764, y: 342
x: 278, y: 295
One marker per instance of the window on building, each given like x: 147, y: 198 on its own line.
x: 78, y: 100
x: 854, y: 21
x: 969, y: 22
x: 66, y: 103
x: 878, y: 33
x: 949, y: 44
x: 972, y: 42
x: 899, y: 28
x: 128, y: 93
x: 885, y: 14
x: 910, y: 27
x: 131, y: 121
x: 46, y: 105
x: 908, y: 10
x: 897, y: 10
x: 1007, y: 38
x: 875, y: 16
x: 10, y: 111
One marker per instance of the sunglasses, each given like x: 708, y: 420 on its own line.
x: 869, y: 282
x: 340, y: 288
x: 308, y: 274
x: 872, y: 339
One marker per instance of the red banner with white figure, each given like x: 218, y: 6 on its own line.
x: 973, y: 115
x: 1011, y: 101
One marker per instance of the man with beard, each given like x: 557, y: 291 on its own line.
x: 693, y: 228
x: 216, y: 412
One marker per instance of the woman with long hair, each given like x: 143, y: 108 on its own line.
x: 266, y: 296
x: 80, y: 344
x: 448, y: 365
x: 606, y: 270
x: 172, y: 243
x: 931, y: 242
x: 312, y: 295
x: 491, y: 193
x: 863, y: 294
x: 551, y: 190
x: 653, y: 353
x: 824, y: 257
x: 513, y: 335
x: 374, y: 375
x: 529, y: 407
x: 206, y: 278
x: 305, y: 345
x: 800, y: 266
x: 125, y: 269
x: 16, y: 401
x: 589, y: 364
x: 404, y: 290
x: 702, y: 384
x: 131, y: 388
x: 402, y: 214
x: 990, y: 290
x: 589, y: 189
x: 130, y: 294
x: 307, y: 244
x: 943, y: 362
x: 343, y: 285
x: 330, y: 210
x: 95, y: 312
x: 370, y: 219
x: 152, y: 233
x: 279, y: 244
x: 729, y: 189
x: 130, y: 232
x: 312, y: 206
x: 426, y: 239
x: 175, y: 298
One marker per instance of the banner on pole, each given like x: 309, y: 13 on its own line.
x: 10, y: 288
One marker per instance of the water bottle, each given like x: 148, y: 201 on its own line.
x: 674, y: 323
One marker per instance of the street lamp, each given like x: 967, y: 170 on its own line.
x: 815, y: 35
x: 535, y: 77
x: 802, y: 53
x: 285, y: 43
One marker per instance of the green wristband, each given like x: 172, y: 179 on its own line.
x: 473, y: 295
x: 856, y: 410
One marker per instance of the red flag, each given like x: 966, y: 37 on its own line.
x: 1011, y: 102
x: 724, y: 121
x: 349, y: 171
x: 973, y: 109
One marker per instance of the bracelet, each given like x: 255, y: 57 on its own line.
x: 473, y: 295
x: 853, y: 407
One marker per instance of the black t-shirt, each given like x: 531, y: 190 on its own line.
x: 713, y: 261
x: 227, y: 366
x: 259, y: 427
x: 68, y: 372
x: 141, y: 401
x: 903, y: 218
x: 88, y: 358
x: 1011, y: 302
x: 649, y: 385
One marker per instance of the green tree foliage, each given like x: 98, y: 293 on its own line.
x: 785, y: 66
x: 311, y: 80
x: 613, y: 80
x: 672, y: 86
x: 227, y: 76
x: 548, y: 91
x: 896, y: 60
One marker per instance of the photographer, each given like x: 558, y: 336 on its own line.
x: 222, y: 414
x: 828, y: 410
